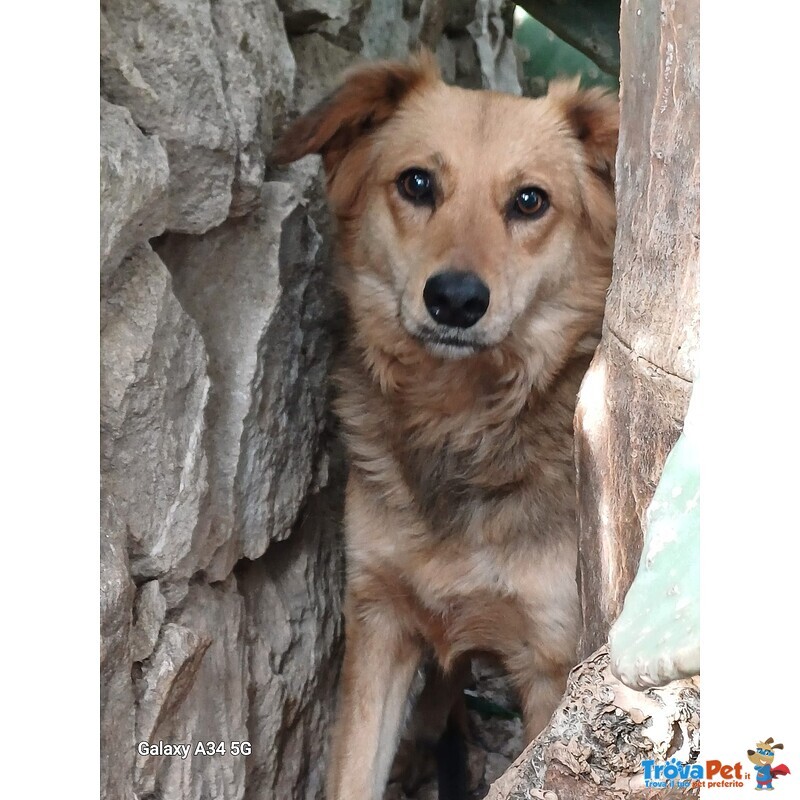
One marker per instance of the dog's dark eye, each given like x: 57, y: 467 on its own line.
x: 530, y: 203
x: 416, y: 185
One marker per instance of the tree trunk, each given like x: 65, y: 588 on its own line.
x: 636, y: 393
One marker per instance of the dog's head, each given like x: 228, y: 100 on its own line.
x: 765, y: 752
x: 466, y: 218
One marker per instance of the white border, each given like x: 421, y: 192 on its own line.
x: 750, y: 279
x: 49, y: 399
x: 750, y: 311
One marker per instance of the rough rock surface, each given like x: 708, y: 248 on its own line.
x: 221, y: 564
x: 117, y: 715
x: 154, y: 388
x: 133, y: 181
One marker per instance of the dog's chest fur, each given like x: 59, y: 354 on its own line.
x: 485, y: 473
x: 471, y: 535
x: 462, y: 505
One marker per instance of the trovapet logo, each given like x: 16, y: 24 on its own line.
x: 674, y: 774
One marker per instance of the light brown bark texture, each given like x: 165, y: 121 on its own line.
x: 636, y: 394
x: 598, y: 736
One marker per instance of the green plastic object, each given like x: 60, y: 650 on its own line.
x: 488, y: 708
x: 544, y: 56
x: 590, y: 26
x: 656, y: 638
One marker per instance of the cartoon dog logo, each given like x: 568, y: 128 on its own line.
x: 762, y: 757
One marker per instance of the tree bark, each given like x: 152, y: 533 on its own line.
x: 636, y: 393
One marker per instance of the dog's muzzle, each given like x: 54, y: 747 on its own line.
x: 456, y: 299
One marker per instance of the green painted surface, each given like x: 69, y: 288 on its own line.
x: 657, y: 636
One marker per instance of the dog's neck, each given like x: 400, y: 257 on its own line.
x: 459, y: 435
x: 462, y: 397
x: 462, y: 434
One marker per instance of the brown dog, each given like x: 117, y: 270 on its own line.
x: 475, y: 233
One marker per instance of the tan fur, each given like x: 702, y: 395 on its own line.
x: 460, y: 514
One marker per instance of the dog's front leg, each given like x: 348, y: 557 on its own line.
x: 379, y: 665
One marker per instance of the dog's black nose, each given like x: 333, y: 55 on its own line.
x: 456, y: 299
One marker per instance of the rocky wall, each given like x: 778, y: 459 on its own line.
x: 220, y: 555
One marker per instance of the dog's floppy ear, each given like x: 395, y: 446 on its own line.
x: 367, y: 98
x: 593, y: 118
